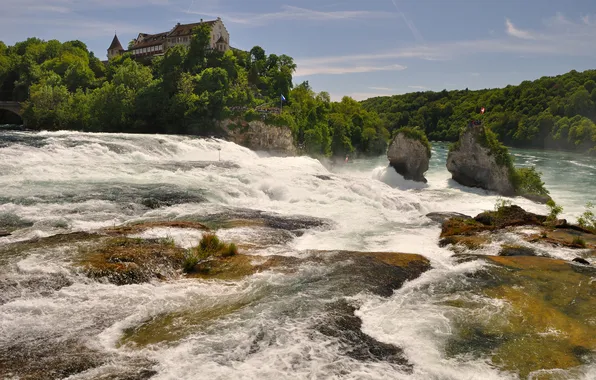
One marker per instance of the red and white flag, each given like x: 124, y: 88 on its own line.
x: 482, y: 110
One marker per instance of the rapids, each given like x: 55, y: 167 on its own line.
x: 59, y: 182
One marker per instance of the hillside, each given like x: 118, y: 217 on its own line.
x: 551, y: 112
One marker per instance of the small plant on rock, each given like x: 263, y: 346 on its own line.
x: 588, y: 220
x: 209, y: 247
x: 555, y: 211
x: 579, y: 241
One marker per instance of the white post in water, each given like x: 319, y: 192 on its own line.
x: 219, y: 151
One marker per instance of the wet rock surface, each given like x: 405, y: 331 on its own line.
x: 409, y: 157
x: 440, y: 217
x: 544, y: 318
x: 341, y: 324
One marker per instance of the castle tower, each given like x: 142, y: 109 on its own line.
x: 115, y: 48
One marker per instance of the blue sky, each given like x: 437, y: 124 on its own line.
x: 360, y: 48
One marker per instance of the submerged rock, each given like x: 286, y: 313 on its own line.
x: 510, y: 216
x: 342, y: 324
x: 581, y: 261
x: 473, y: 163
x: 543, y: 320
x: 4, y: 233
x: 516, y: 250
x: 409, y: 156
x: 441, y: 217
x: 123, y: 261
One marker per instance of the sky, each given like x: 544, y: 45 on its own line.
x: 359, y: 48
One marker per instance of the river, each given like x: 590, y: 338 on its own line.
x: 59, y: 182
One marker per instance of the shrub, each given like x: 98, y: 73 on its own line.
x: 588, y: 220
x: 489, y: 139
x: 167, y: 241
x: 190, y: 260
x: 209, y: 247
x: 579, y: 241
x: 251, y: 115
x: 209, y: 243
x: 501, y: 206
x: 416, y: 134
x: 529, y: 181
x: 231, y: 250
x: 555, y: 210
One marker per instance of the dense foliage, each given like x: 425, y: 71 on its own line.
x: 551, y: 112
x: 185, y: 91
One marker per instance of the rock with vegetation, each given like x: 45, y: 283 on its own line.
x: 476, y: 233
x: 479, y: 160
x: 409, y: 154
x: 260, y: 136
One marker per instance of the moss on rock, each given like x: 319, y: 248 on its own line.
x: 546, y: 316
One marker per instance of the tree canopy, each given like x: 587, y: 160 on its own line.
x: 551, y: 112
x: 184, y: 91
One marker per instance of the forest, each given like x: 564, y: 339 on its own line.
x: 188, y: 90
x: 63, y: 86
x: 548, y: 113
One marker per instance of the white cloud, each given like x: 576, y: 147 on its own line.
x: 418, y: 87
x: 307, y: 70
x: 475, y: 74
x: 561, y: 37
x: 515, y: 32
x: 381, y: 88
x: 289, y: 12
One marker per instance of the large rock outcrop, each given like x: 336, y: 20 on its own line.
x: 256, y: 135
x: 409, y: 156
x: 474, y: 163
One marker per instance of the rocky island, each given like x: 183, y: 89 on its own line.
x: 478, y: 159
x: 409, y: 154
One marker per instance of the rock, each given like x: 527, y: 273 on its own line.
x: 4, y: 233
x: 526, y: 296
x: 516, y: 250
x: 124, y: 261
x: 473, y: 164
x: 510, y: 216
x: 256, y: 135
x: 543, y: 199
x: 441, y: 217
x: 409, y: 157
x: 341, y: 323
x: 581, y: 261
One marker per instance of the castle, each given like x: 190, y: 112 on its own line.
x: 148, y: 45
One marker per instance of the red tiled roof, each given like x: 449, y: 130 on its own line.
x: 150, y: 40
x: 186, y: 29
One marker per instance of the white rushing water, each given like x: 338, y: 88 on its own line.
x: 57, y: 182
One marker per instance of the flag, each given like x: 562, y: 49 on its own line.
x: 283, y: 98
x: 482, y: 110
